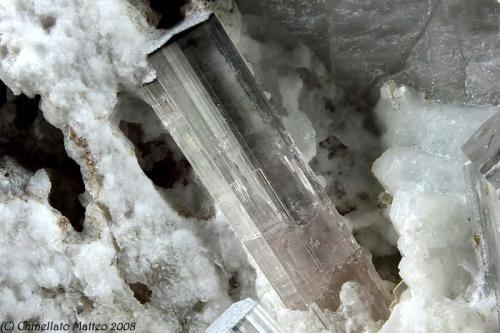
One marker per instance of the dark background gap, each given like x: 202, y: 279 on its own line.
x: 170, y: 11
x: 35, y: 144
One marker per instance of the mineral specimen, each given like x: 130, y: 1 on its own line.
x: 141, y: 251
x: 210, y: 103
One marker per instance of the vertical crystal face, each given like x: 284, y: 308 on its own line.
x: 483, y: 150
x: 212, y: 106
x: 245, y: 316
x: 483, y: 172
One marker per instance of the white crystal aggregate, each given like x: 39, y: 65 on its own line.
x: 76, y: 55
x: 422, y: 170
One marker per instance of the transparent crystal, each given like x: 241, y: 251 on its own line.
x: 212, y: 106
x: 483, y: 173
x: 245, y: 316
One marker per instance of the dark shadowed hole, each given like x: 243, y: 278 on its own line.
x: 170, y: 11
x: 340, y: 155
x: 141, y: 292
x: 162, y: 161
x: 3, y: 94
x: 67, y: 185
x: 387, y: 267
x: 156, y: 157
x: 28, y: 110
x: 35, y: 144
x: 198, y: 307
x: 48, y: 22
x: 233, y: 285
x: 335, y: 148
x: 84, y: 304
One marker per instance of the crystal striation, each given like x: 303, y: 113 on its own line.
x: 483, y: 176
x: 210, y: 103
x: 244, y: 316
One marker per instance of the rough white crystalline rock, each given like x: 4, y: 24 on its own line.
x: 432, y: 127
x: 427, y: 172
x: 76, y: 54
x: 30, y: 224
x: 439, y: 223
x: 353, y: 315
x: 430, y: 313
x: 422, y: 171
x: 54, y: 273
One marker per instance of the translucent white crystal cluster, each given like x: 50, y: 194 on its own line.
x: 65, y: 277
x: 423, y: 172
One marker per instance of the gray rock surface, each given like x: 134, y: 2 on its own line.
x: 445, y: 48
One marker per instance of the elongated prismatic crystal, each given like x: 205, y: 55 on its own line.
x: 245, y: 316
x: 210, y: 103
x: 483, y: 173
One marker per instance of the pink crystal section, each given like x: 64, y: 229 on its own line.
x: 212, y: 106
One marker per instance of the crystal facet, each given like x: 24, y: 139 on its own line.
x: 245, y: 316
x: 212, y: 106
x: 483, y: 173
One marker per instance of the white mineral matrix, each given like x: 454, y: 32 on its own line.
x: 76, y: 55
x: 422, y: 170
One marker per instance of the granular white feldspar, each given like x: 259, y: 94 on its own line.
x: 422, y: 171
